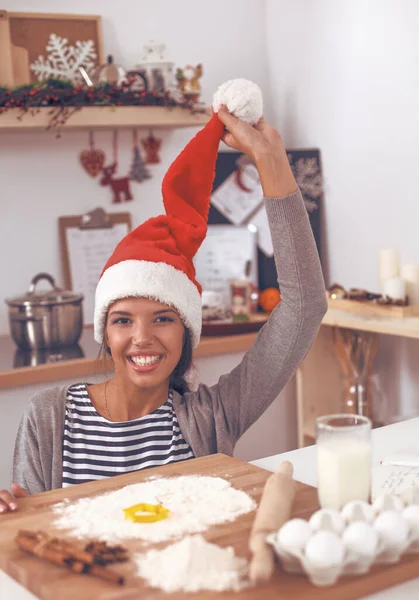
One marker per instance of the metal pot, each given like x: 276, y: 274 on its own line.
x: 45, y: 320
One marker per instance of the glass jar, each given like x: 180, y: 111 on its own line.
x: 343, y: 459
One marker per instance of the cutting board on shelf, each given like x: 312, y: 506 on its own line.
x: 49, y: 582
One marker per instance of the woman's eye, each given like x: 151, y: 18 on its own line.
x: 121, y: 321
x: 164, y: 320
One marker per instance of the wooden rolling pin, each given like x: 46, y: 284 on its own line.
x: 274, y: 510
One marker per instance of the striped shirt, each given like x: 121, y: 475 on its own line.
x: 95, y: 448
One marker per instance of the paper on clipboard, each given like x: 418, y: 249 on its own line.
x: 239, y: 195
x: 88, y: 251
x: 260, y: 221
x: 223, y: 255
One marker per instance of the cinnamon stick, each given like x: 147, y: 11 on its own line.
x: 60, y: 546
x: 32, y: 545
x: 63, y: 554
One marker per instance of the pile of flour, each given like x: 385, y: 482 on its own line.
x: 195, y: 503
x: 191, y: 565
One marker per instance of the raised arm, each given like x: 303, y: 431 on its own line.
x: 241, y: 396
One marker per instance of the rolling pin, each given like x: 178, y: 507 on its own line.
x: 274, y: 510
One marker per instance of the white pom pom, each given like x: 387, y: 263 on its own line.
x: 243, y: 99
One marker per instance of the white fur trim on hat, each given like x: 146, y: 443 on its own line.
x: 158, y: 281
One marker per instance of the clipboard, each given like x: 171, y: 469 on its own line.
x: 86, y: 242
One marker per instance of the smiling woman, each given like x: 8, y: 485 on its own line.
x: 148, y: 318
x: 145, y: 339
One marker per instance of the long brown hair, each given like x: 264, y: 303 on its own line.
x: 177, y: 380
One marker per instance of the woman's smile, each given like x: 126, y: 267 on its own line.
x: 144, y: 362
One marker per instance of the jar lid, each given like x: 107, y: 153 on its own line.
x: 44, y: 298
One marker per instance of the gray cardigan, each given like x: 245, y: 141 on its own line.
x: 211, y: 419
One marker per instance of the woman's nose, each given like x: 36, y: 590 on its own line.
x: 142, y: 334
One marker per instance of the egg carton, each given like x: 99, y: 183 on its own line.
x: 348, y: 542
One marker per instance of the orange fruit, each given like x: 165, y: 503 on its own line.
x: 269, y: 298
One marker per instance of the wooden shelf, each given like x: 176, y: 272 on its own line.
x: 389, y: 325
x: 79, y: 367
x: 106, y: 117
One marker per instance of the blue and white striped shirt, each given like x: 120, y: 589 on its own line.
x: 95, y: 448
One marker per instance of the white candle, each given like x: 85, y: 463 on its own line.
x: 410, y: 274
x: 394, y: 287
x: 389, y: 265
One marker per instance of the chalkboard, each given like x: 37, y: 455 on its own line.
x: 306, y: 166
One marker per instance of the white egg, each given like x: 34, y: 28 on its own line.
x: 325, y: 549
x: 411, y: 514
x: 392, y: 528
x: 327, y: 519
x: 358, y: 510
x: 387, y: 502
x: 294, y: 534
x: 360, y: 537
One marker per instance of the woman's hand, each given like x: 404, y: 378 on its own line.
x: 263, y: 144
x: 8, y: 500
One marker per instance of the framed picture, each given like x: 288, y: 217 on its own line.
x: 38, y: 46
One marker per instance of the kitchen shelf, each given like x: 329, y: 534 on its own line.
x: 11, y: 376
x: 389, y: 325
x: 106, y: 117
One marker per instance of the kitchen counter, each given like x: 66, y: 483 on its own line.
x: 25, y: 368
x: 386, y: 440
x: 18, y: 368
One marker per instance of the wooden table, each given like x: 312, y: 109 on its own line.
x: 50, y: 582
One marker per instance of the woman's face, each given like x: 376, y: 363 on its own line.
x: 146, y: 340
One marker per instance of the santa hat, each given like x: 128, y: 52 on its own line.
x: 155, y: 260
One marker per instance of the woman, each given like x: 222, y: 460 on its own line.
x: 148, y: 318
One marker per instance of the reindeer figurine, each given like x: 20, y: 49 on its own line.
x: 120, y: 185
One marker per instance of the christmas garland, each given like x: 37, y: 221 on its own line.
x: 64, y: 98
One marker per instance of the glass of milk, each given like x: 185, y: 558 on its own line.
x: 343, y: 459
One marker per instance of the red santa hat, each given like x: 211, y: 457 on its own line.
x: 155, y: 260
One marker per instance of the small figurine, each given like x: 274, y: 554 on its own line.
x: 188, y: 79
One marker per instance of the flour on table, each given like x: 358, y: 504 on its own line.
x: 195, y: 503
x: 191, y: 565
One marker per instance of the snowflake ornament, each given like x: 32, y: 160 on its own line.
x: 63, y: 60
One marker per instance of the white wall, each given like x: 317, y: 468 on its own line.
x: 344, y: 78
x: 41, y: 178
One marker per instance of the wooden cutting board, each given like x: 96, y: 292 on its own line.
x: 49, y: 582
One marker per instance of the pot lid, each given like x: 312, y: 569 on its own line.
x: 44, y: 298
